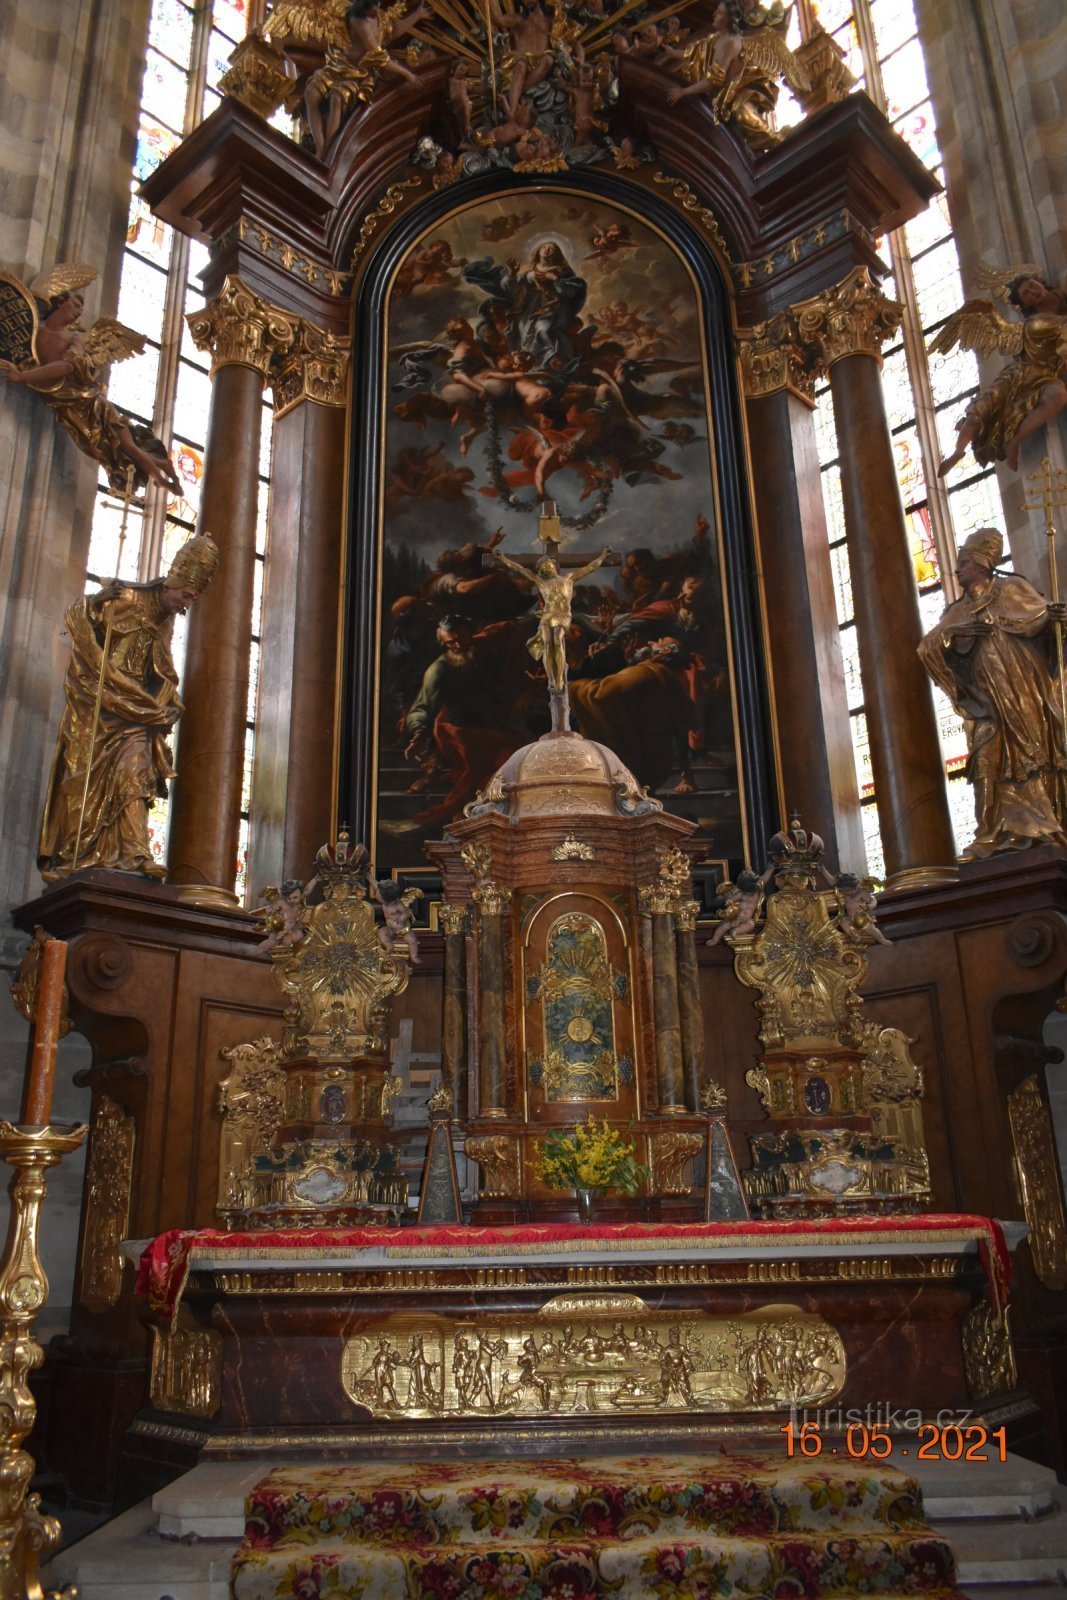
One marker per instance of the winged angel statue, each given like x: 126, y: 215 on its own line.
x: 1030, y: 391
x: 738, y: 64
x: 44, y: 346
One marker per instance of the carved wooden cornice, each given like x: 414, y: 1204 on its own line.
x: 854, y: 318
x: 239, y: 329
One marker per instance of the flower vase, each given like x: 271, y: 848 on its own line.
x: 587, y: 1199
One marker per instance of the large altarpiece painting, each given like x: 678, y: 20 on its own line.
x: 544, y: 345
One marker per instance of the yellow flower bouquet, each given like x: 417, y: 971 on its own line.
x: 594, y: 1158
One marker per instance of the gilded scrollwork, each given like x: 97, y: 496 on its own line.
x: 671, y: 1152
x: 256, y: 75
x: 492, y: 899
x: 339, y: 979
x: 186, y: 1374
x: 988, y: 1355
x: 598, y: 1353
x: 313, y: 368
x: 774, y: 358
x: 1039, y: 1181
x: 478, y: 859
x: 238, y: 328
x: 572, y: 849
x: 252, y: 1103
x: 820, y: 1058
x: 453, y: 919
x: 671, y: 887
x: 853, y: 318
x: 498, y: 1155
x: 108, y: 1183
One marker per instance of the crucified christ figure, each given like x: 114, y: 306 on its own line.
x: 549, y: 643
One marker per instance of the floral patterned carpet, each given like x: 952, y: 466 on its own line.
x: 730, y: 1526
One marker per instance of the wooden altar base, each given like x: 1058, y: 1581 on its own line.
x: 463, y: 1342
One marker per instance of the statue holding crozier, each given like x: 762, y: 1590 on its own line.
x: 113, y: 758
x: 993, y: 653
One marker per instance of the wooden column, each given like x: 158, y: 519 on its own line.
x: 454, y: 1008
x: 670, y: 1080
x: 847, y: 326
x: 296, y: 717
x: 492, y: 902
x: 242, y: 332
x: 690, y: 1016
x: 814, y: 738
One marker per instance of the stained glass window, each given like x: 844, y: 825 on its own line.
x: 188, y: 47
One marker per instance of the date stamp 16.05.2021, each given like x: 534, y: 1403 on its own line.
x: 928, y: 1441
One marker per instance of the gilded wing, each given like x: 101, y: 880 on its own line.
x: 978, y: 325
x: 997, y: 279
x: 109, y: 340
x: 63, y: 278
x: 765, y: 52
x: 315, y: 22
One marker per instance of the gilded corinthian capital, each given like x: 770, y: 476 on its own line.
x: 854, y: 318
x: 240, y: 329
x: 313, y: 367
x: 773, y: 358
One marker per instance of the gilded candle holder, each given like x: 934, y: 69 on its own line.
x: 27, y: 1535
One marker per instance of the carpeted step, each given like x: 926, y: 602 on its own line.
x: 728, y: 1568
x: 614, y: 1497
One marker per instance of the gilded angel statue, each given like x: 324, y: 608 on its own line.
x: 44, y: 346
x: 1031, y: 390
x: 738, y: 64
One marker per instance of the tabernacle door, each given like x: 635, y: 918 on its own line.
x: 577, y: 1011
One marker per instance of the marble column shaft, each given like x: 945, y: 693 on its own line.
x: 206, y: 795
x: 670, y: 1079
x: 454, y: 1010
x: 906, y: 759
x: 244, y: 335
x: 690, y: 1014
x: 492, y: 1041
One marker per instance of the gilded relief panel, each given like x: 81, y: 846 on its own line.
x: 583, y: 1353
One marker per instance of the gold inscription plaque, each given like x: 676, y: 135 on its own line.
x: 605, y: 1353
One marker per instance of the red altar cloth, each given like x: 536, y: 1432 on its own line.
x: 171, y: 1256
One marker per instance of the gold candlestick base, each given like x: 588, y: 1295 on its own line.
x: 27, y: 1536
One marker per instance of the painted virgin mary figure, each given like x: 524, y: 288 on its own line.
x: 544, y: 300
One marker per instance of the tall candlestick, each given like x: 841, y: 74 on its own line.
x: 47, y: 1016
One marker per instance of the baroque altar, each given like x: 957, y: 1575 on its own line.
x: 390, y: 278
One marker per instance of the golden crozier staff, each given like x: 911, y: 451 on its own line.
x: 1053, y: 493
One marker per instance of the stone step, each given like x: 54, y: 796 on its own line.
x: 1012, y: 1488
x: 1009, y: 1550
